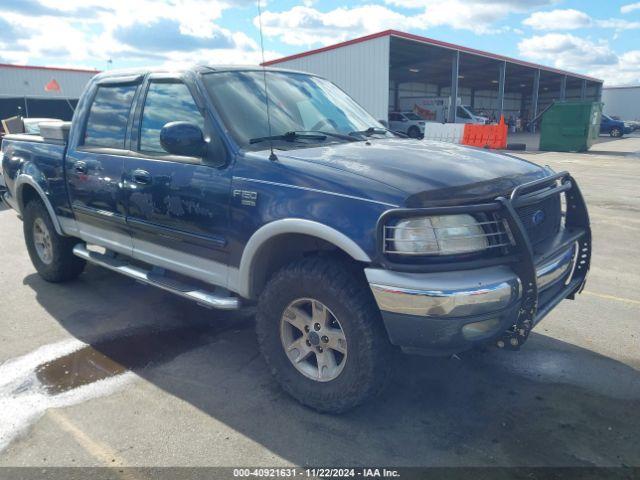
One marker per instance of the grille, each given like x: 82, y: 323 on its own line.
x: 551, y: 218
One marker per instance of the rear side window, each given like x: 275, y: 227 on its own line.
x: 166, y: 102
x: 107, y: 122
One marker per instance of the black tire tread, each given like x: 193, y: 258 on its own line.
x: 65, y: 265
x: 347, y: 288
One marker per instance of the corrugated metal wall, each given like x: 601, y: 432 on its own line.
x: 366, y: 79
x: 623, y: 102
x: 30, y: 82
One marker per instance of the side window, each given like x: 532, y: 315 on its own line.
x: 108, y: 116
x: 166, y: 102
x: 394, y: 117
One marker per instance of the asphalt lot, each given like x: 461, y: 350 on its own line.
x: 157, y: 381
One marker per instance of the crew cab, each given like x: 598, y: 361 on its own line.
x: 349, y: 240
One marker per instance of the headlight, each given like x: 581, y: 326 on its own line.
x: 438, y: 235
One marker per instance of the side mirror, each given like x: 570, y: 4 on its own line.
x: 184, y: 139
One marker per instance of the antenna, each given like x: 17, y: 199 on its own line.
x: 272, y: 156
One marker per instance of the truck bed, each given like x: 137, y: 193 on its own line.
x: 40, y: 158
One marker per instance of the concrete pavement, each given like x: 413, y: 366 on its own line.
x: 190, y: 389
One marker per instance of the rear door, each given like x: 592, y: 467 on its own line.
x: 95, y: 164
x: 177, y: 207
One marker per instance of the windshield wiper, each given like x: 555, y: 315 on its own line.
x: 289, y: 137
x: 370, y: 131
x: 303, y: 135
x: 341, y: 136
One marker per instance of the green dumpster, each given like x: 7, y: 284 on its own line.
x: 570, y: 126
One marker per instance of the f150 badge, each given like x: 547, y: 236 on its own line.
x: 246, y: 197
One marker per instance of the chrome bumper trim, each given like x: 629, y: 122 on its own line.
x: 554, y: 270
x: 458, y: 294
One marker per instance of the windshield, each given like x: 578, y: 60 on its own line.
x: 297, y: 102
x: 412, y: 116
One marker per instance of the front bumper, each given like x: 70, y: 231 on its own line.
x: 448, y: 311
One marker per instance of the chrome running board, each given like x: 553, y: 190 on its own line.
x: 148, y: 277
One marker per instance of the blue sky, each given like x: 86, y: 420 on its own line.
x: 600, y: 38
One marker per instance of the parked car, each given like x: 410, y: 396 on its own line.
x: 632, y: 125
x: 615, y: 128
x: 348, y: 239
x: 408, y: 123
x: 466, y: 114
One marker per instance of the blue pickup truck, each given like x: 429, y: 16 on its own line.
x: 613, y: 127
x: 350, y: 241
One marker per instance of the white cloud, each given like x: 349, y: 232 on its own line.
x: 88, y: 32
x: 630, y: 7
x: 479, y: 16
x: 569, y: 19
x: 511, y: 5
x: 618, y: 24
x: 567, y: 51
x: 307, y: 26
x: 573, y: 53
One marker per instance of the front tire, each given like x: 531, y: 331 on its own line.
x: 615, y: 133
x: 51, y: 253
x: 414, y: 132
x: 321, y: 335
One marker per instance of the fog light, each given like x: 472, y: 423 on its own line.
x: 479, y: 329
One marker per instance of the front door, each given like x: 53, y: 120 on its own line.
x: 95, y: 165
x: 177, y: 207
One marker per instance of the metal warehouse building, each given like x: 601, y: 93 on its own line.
x: 384, y: 70
x: 40, y: 91
x: 622, y: 102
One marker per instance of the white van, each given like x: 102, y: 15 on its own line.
x: 436, y: 109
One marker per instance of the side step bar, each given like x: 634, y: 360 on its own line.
x: 202, y: 297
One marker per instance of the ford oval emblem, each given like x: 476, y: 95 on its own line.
x: 537, y: 218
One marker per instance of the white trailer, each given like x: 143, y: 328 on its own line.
x: 622, y: 102
x: 436, y: 109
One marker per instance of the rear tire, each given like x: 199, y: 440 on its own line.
x: 51, y: 253
x: 355, y: 339
x: 517, y: 146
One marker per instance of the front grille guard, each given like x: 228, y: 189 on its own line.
x: 520, y: 255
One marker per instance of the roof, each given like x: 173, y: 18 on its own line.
x: 138, y: 71
x: 619, y: 87
x: 59, y: 69
x: 430, y: 41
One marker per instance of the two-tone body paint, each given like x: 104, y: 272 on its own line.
x: 38, y: 164
x: 192, y: 210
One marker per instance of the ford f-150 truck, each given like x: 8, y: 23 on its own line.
x: 348, y: 240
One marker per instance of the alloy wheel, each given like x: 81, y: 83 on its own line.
x: 42, y: 241
x: 313, y: 339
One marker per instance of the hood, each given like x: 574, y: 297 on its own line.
x: 428, y: 172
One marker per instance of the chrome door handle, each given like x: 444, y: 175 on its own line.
x: 80, y: 166
x: 141, y: 176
